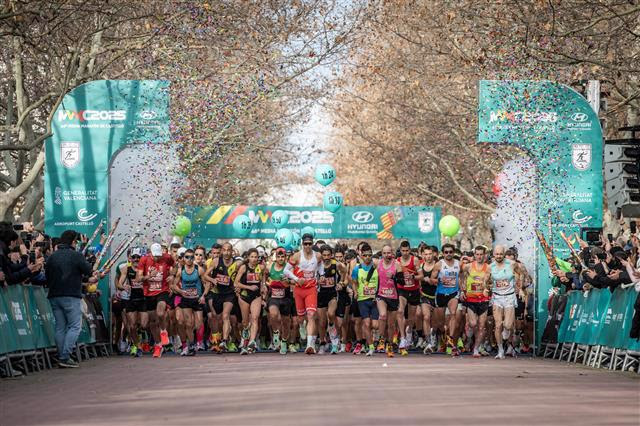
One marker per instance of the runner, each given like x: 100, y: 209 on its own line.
x: 409, y: 296
x: 223, y: 271
x: 279, y: 304
x: 364, y: 278
x: 136, y: 306
x: 302, y: 269
x: 389, y: 275
x: 475, y: 296
x: 248, y: 283
x: 119, y: 302
x: 188, y: 283
x: 344, y: 297
x: 428, y: 295
x: 154, y: 271
x: 506, y: 277
x: 446, y: 274
x: 328, y: 274
x: 200, y: 256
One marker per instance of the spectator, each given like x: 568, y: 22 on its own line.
x: 65, y: 270
x: 14, y: 259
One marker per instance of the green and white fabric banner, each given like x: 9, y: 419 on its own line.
x: 561, y: 133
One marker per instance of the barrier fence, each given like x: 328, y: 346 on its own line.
x: 595, y: 329
x: 27, y: 328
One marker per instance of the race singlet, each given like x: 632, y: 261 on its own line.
x: 503, y: 278
x: 448, y: 277
x: 386, y: 281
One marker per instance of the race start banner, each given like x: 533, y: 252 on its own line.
x: 92, y: 124
x: 561, y: 133
x: 417, y: 223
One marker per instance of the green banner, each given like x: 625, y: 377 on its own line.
x: 416, y: 224
x: 561, y: 133
x: 8, y: 333
x: 600, y: 318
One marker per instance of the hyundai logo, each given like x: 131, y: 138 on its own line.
x: 579, y: 117
x: 362, y: 217
x: 148, y: 115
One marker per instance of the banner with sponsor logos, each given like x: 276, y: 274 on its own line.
x: 416, y: 223
x: 92, y: 124
x: 561, y: 133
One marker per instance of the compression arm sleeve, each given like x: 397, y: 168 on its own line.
x: 288, y: 272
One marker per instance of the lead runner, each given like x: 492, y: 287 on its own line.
x: 302, y: 269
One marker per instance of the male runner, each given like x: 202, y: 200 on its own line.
x: 446, y: 274
x: 328, y: 274
x: 136, y: 306
x: 506, y: 277
x: 223, y: 271
x: 302, y: 269
x: 355, y: 310
x: 475, y: 296
x: 188, y: 283
x: 409, y: 292
x: 427, y: 295
x: 279, y: 304
x: 364, y: 278
x: 389, y: 275
x: 154, y: 270
x: 345, y: 295
x: 249, y: 282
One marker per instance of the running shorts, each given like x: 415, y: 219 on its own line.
x: 326, y: 296
x: 442, y: 300
x: 478, y: 308
x: 282, y: 303
x: 368, y: 309
x: 190, y: 304
x: 306, y: 300
x: 174, y: 301
x: 504, y: 302
x: 249, y: 296
x: 429, y: 300
x: 392, y: 304
x: 343, y: 301
x: 219, y: 300
x: 136, y: 305
x: 151, y: 302
x: 413, y: 297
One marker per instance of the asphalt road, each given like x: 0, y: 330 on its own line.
x: 270, y: 389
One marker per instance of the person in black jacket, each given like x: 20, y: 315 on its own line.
x: 66, y: 269
x: 15, y: 273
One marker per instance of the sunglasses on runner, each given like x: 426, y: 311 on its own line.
x: 189, y: 257
x: 448, y: 252
x: 307, y: 244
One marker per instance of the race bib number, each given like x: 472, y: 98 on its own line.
x: 191, y: 292
x: 502, y: 283
x: 253, y: 278
x: 387, y: 292
x: 408, y: 279
x: 448, y: 282
x: 369, y: 291
x: 223, y: 280
x: 155, y: 285
x: 326, y: 282
x: 308, y: 274
x: 278, y: 293
x: 136, y: 284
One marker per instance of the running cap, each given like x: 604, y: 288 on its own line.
x: 307, y: 237
x: 281, y: 250
x: 175, y: 240
x: 261, y: 251
x: 156, y: 249
x: 181, y: 251
x: 136, y: 251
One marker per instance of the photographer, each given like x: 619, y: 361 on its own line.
x: 15, y: 265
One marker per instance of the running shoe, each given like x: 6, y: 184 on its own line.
x: 283, y: 347
x: 276, y: 339
x: 133, y: 351
x: 381, y: 345
x: 348, y: 347
x: 370, y: 351
x: 244, y: 351
x: 510, y: 351
x: 460, y: 343
x: 164, y: 337
x: 404, y: 352
x: 321, y: 350
x: 394, y: 340
x: 483, y: 351
x: 122, y: 346
x: 231, y: 347
x: 358, y: 349
x: 500, y: 353
x: 310, y: 350
x: 145, y: 347
x: 200, y: 346
x: 245, y: 333
x: 293, y: 348
x: 409, y: 338
x: 252, y: 347
x: 421, y: 343
x: 157, y: 351
x: 343, y: 348
x: 191, y: 350
x: 390, y: 350
x: 455, y: 352
x: 333, y: 332
x: 476, y: 353
x: 428, y: 350
x: 334, y: 349
x: 177, y: 344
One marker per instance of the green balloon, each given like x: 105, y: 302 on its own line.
x: 182, y: 226
x: 449, y: 225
